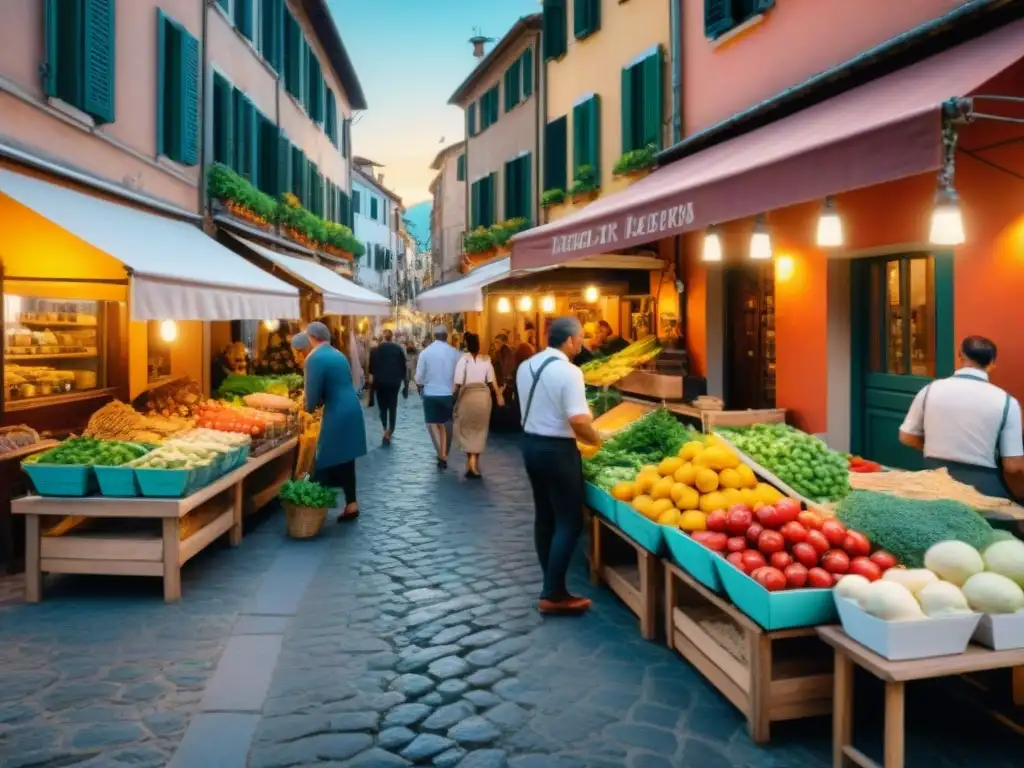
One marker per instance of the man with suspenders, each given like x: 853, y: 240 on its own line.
x: 555, y: 415
x: 969, y: 426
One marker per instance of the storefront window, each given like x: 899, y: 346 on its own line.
x: 894, y: 318
x: 902, y: 316
x: 52, y: 348
x: 158, y: 353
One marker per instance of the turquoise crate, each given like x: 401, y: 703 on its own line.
x: 590, y: 495
x: 602, y: 503
x: 202, y: 477
x: 117, y: 481
x: 647, y: 533
x: 694, y: 558
x: 67, y: 480
x: 776, y: 610
x: 165, y: 483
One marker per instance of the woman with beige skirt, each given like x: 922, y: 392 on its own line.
x: 474, y: 380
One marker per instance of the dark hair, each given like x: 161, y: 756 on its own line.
x: 979, y: 350
x: 605, y: 324
x: 562, y: 329
x: 472, y: 343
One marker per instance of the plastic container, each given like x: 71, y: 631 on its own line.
x: 904, y: 640
x: 647, y: 533
x: 1002, y: 632
x: 66, y: 480
x: 602, y: 503
x: 787, y: 609
x: 165, y: 483
x: 694, y: 558
x: 202, y: 477
x: 117, y: 481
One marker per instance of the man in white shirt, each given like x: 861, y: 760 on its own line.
x: 970, y: 426
x: 435, y: 377
x: 555, y: 415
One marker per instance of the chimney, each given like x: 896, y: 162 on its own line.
x: 479, y: 41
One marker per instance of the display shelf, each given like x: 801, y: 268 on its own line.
x: 56, y: 324
x: 635, y: 584
x: 41, y: 401
x: 51, y: 356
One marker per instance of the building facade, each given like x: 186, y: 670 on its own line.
x: 448, y: 210
x: 377, y: 215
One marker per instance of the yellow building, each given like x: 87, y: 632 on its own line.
x: 608, y: 89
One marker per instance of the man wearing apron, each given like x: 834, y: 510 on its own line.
x: 970, y: 427
x: 555, y: 415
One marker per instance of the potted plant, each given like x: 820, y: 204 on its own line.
x: 479, y: 241
x: 586, y: 185
x: 239, y: 197
x: 305, y: 506
x: 636, y: 162
x: 552, y: 197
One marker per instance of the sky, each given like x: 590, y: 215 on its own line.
x: 410, y: 56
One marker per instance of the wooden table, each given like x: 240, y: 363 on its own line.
x: 140, y: 553
x: 895, y: 674
x: 636, y: 586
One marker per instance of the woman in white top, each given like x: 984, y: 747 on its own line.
x: 474, y: 377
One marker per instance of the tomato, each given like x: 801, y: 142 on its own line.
x: 752, y: 559
x: 819, y: 578
x: 836, y: 561
x: 717, y: 520
x: 863, y: 566
x: 884, y: 560
x: 736, y: 558
x: 793, y: 532
x: 796, y: 576
x: 736, y: 544
x: 771, y: 542
x: 701, y: 537
x: 769, y: 517
x: 781, y: 560
x: 857, y: 544
x: 753, y: 532
x: 817, y: 540
x: 788, y: 509
x: 834, y: 531
x: 739, y: 520
x: 806, y: 555
x: 810, y: 520
x: 771, y: 579
x: 717, y: 541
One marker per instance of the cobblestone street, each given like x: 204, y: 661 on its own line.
x: 407, y: 637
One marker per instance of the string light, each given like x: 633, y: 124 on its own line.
x: 525, y: 304
x: 504, y: 305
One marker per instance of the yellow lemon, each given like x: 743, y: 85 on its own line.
x: 758, y: 505
x: 669, y: 517
x: 685, y: 474
x: 658, y: 508
x: 719, y: 458
x: 645, y: 481
x: 624, y: 491
x: 747, y: 477
x: 732, y: 496
x: 587, y: 450
x: 688, y: 498
x: 693, y: 521
x: 709, y: 502
x: 729, y: 478
x: 691, y: 449
x: 642, y: 504
x: 663, y: 489
x: 706, y: 480
x: 748, y: 497
x: 713, y: 440
x: 650, y: 468
x: 767, y: 493
x: 669, y: 465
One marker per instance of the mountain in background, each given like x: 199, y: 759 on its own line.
x: 418, y: 221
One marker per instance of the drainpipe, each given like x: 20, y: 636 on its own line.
x: 542, y: 84
x: 205, y: 112
x: 675, y: 12
x: 540, y: 104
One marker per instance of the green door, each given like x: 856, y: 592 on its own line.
x: 902, y: 338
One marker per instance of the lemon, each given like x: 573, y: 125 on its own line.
x: 693, y: 521
x: 691, y: 449
x: 706, y: 480
x: 669, y: 517
x: 658, y: 508
x: 669, y: 466
x: 587, y: 450
x: 650, y: 468
x: 729, y: 478
x: 709, y: 502
x: 747, y: 477
x: 748, y: 497
x: 732, y: 496
x: 624, y: 491
x: 663, y: 489
x: 685, y: 474
x: 645, y: 481
x: 688, y: 498
x: 766, y: 493
x: 643, y: 504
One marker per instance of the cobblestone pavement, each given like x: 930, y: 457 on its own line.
x: 415, y: 642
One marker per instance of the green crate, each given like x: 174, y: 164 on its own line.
x: 66, y: 480
x: 117, y: 481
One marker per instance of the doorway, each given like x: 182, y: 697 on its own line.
x: 750, y: 336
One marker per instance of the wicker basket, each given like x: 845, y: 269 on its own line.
x: 304, y: 522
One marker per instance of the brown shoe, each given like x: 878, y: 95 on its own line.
x: 569, y: 605
x: 351, y: 512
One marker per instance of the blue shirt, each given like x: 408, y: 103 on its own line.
x: 435, y: 369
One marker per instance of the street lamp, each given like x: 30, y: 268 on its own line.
x: 760, y: 241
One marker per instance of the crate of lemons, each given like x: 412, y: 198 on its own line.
x: 682, y: 490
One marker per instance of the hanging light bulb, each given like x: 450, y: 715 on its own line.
x: 712, y: 245
x: 525, y: 304
x: 271, y: 325
x: 168, y: 330
x: 591, y: 294
x: 947, y: 225
x: 547, y: 305
x: 830, y: 226
x: 504, y: 305
x: 760, y: 241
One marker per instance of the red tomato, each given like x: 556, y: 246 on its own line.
x: 834, y: 531
x: 819, y: 578
x: 753, y: 532
x: 796, y: 576
x: 817, y: 540
x: 781, y: 560
x: 717, y: 520
x: 810, y: 520
x: 702, y: 537
x: 771, y: 579
x: 836, y: 561
x: 793, y: 532
x: 857, y: 544
x: 736, y: 544
x: 736, y: 558
x: 884, y: 560
x: 716, y: 541
x: 752, y: 559
x: 739, y: 520
x: 769, y: 517
x: 788, y: 509
x: 806, y: 555
x: 770, y: 542
x: 863, y: 566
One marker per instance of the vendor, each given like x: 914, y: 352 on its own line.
x: 969, y: 426
x: 607, y: 342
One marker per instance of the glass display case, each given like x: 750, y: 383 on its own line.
x: 52, y: 348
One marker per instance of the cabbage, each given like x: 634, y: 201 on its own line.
x: 942, y: 599
x: 991, y: 593
x: 1007, y: 559
x: 914, y: 579
x: 890, y: 601
x: 954, y: 561
x: 852, y: 587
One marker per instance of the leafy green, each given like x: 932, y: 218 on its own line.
x: 84, y: 450
x: 306, y: 493
x: 240, y: 385
x: 647, y: 441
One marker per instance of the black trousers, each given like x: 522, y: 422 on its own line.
x: 339, y: 476
x: 387, y: 403
x: 556, y: 476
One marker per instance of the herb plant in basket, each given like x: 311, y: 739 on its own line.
x: 305, y: 505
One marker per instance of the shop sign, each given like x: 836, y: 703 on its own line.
x: 626, y: 228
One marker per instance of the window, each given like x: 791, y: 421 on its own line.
x: 177, y: 101
x: 586, y: 18
x: 331, y: 117
x: 271, y: 32
x: 268, y: 170
x: 722, y: 15
x: 356, y: 202
x: 373, y: 208
x: 642, y: 99
x: 586, y: 135
x: 902, y: 320
x: 555, y: 150
x: 80, y: 55
x: 460, y: 168
x: 344, y: 208
x: 223, y: 121
x: 482, y: 202
x: 315, y: 203
x: 346, y: 137
x: 314, y: 101
x: 555, y: 29
x: 489, y: 109
x: 471, y: 119
x: 246, y: 132
x: 513, y: 84
x: 298, y: 175
x: 518, y: 188
x: 244, y: 21
x: 295, y: 60
x: 527, y: 59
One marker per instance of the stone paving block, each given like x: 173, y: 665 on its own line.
x: 261, y: 625
x: 216, y: 740
x: 475, y: 731
x: 242, y: 679
x: 425, y: 746
x: 445, y: 717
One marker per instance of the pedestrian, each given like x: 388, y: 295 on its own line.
x: 435, y: 375
x: 411, y: 356
x: 342, y: 431
x: 555, y: 416
x: 474, y: 382
x: 388, y: 373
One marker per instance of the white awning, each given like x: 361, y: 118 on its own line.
x: 177, y: 272
x: 341, y: 296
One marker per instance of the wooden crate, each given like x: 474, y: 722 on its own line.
x: 635, y: 584
x: 768, y: 676
x: 712, y: 419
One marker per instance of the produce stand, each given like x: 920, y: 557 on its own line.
x: 11, y: 479
x: 895, y: 674
x: 768, y: 676
x: 187, y: 526
x: 636, y: 585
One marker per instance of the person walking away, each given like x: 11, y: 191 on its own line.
x: 435, y: 375
x: 555, y: 416
x: 474, y: 381
x: 342, y: 431
x: 388, y: 373
x: 411, y: 357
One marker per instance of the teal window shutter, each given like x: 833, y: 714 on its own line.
x: 298, y: 164
x: 555, y: 147
x: 586, y: 134
x: 344, y: 209
x: 356, y: 202
x: 594, y: 134
x: 63, y: 23
x: 587, y: 18
x: 555, y: 29
x: 653, y: 98
x: 718, y: 18
x: 526, y: 186
x: 474, y: 204
x: 164, y: 30
x: 177, y: 103
x: 293, y: 53
x: 346, y: 137
x: 460, y: 168
x: 243, y: 17
x: 628, y: 97
x: 373, y: 208
x: 284, y: 164
x: 331, y: 117
x: 271, y: 43
x: 527, y: 59
x: 511, y: 190
x: 189, y: 105
x: 515, y: 76
x: 224, y: 4
x: 471, y: 119
x: 269, y: 173
x: 223, y: 122
x: 492, y: 200
x: 98, y: 60
x: 495, y: 111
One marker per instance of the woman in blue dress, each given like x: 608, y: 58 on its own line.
x: 342, y: 431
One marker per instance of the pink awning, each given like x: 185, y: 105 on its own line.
x: 887, y: 129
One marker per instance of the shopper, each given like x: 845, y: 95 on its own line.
x: 412, y: 355
x: 342, y: 431
x: 388, y: 374
x: 474, y: 382
x: 607, y: 342
x: 435, y: 375
x: 555, y: 416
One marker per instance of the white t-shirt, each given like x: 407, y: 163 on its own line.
x: 470, y: 371
x: 960, y: 417
x: 560, y: 394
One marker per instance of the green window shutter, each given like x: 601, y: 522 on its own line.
x: 516, y: 78
x: 594, y: 134
x: 356, y: 202
x: 586, y: 133
x: 344, y: 209
x: 269, y: 143
x: 177, y: 107
x: 284, y: 164
x: 511, y: 190
x: 555, y: 161
x: 373, y: 208
x: 718, y: 18
x: 293, y: 56
x: 189, y: 105
x: 474, y: 205
x: 331, y: 117
x: 492, y: 199
x: 223, y: 123
x: 98, y: 60
x: 346, y: 137
x: 555, y: 29
x: 653, y: 98
x: 471, y: 119
x: 527, y: 65
x: 243, y: 17
x: 494, y: 105
x: 628, y: 139
x: 586, y: 18
x: 164, y: 30
x: 295, y: 177
x: 63, y: 78
x: 526, y: 187
x: 460, y: 168
x: 271, y: 16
